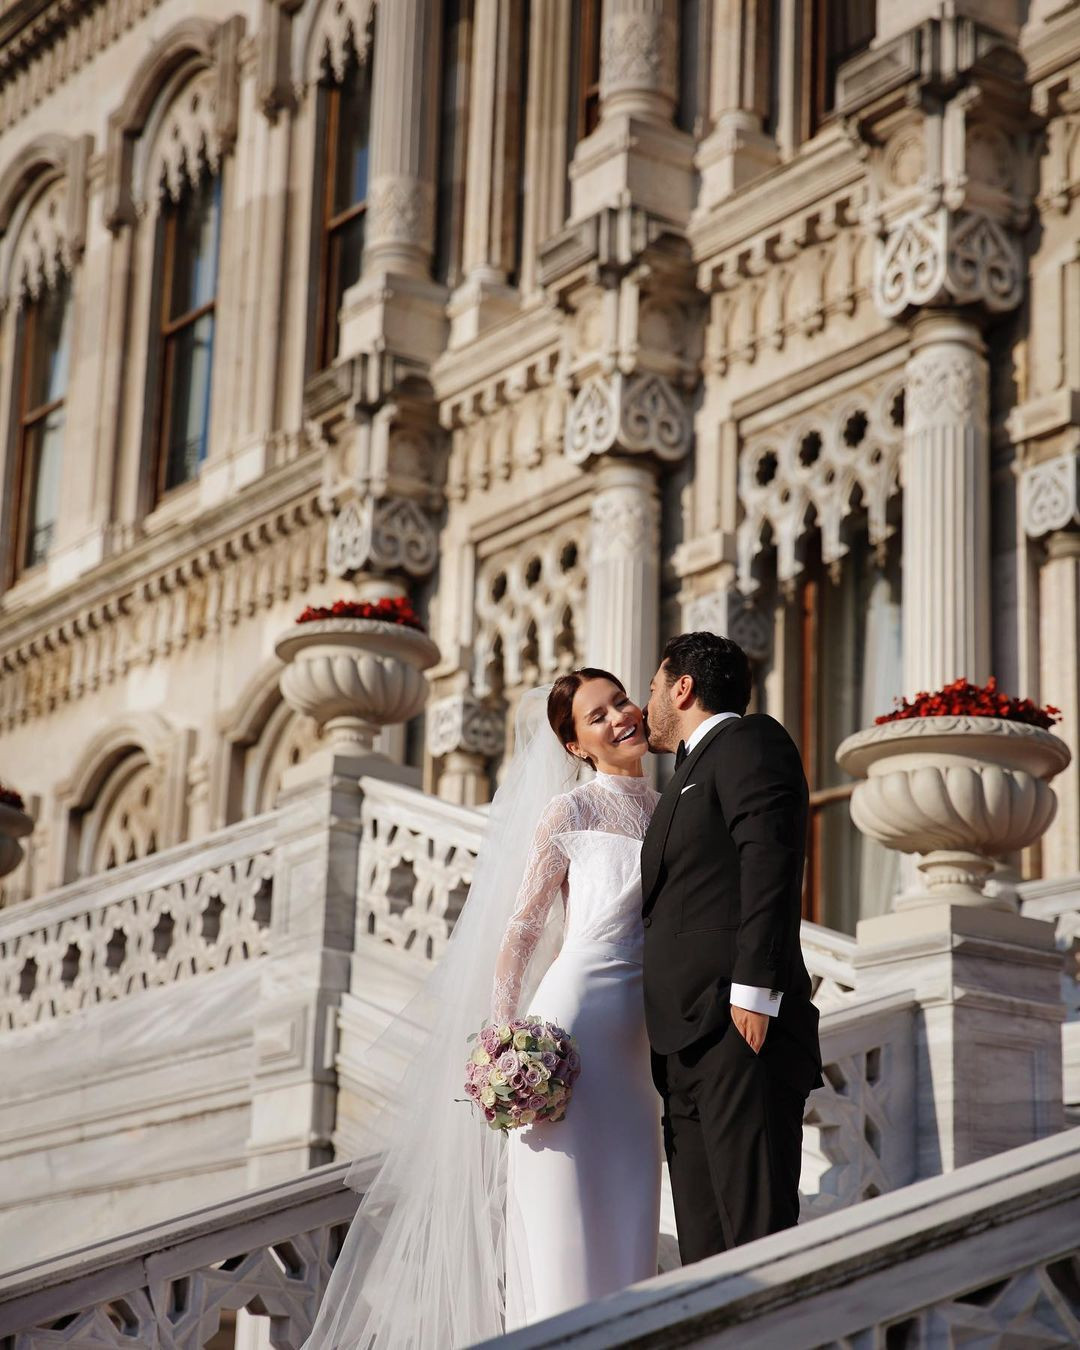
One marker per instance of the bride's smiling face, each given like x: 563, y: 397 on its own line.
x: 609, y: 728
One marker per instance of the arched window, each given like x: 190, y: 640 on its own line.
x: 345, y: 118
x: 189, y: 233
x: 41, y: 379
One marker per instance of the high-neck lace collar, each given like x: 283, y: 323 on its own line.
x: 617, y: 782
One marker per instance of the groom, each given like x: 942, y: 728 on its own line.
x: 727, y: 995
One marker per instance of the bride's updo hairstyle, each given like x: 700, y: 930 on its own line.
x: 560, y: 705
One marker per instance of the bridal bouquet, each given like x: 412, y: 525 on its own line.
x: 521, y: 1072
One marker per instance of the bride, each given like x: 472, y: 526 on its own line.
x: 463, y: 1234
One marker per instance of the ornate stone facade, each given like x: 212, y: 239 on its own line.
x: 678, y: 340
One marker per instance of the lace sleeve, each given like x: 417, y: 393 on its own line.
x: 545, y: 872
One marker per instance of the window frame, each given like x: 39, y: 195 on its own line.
x: 168, y: 329
x: 25, y: 421
x: 332, y: 225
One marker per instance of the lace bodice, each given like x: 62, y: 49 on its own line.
x: 587, y: 851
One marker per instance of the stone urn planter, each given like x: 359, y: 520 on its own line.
x: 958, y: 789
x: 355, y: 676
x: 15, y: 824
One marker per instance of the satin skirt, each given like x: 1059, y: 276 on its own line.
x: 583, y: 1194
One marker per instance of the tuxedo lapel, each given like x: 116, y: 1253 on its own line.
x: 652, y: 852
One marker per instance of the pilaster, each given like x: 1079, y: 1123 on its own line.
x: 737, y: 148
x: 1050, y: 509
x: 315, y: 883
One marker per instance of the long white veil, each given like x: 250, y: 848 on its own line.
x: 423, y: 1265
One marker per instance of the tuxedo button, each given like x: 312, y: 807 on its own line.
x: 647, y: 920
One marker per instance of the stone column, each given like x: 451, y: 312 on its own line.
x: 946, y: 535
x: 622, y: 615
x: 1050, y: 504
x: 404, y: 112
x: 639, y: 60
x: 636, y: 154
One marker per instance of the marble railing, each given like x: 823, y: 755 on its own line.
x: 987, y: 1254
x: 187, y: 911
x: 270, y: 1252
x: 859, y: 1127
x: 416, y: 863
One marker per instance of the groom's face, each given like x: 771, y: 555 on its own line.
x: 662, y: 720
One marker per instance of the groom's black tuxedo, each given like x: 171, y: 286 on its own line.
x: 721, y: 867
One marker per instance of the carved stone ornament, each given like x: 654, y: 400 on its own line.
x: 389, y: 534
x: 188, y: 143
x: 1050, y: 495
x: 945, y: 385
x: 625, y: 523
x: 638, y: 49
x: 42, y: 251
x: 530, y: 609
x: 462, y: 722
x: 730, y: 614
x: 848, y: 448
x: 399, y: 209
x: 643, y: 414
x: 932, y: 258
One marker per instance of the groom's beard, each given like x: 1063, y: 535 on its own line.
x: 659, y: 739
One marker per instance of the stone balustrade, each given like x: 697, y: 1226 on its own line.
x: 989, y: 1255
x: 168, y: 1285
x: 989, y: 1252
x: 187, y: 911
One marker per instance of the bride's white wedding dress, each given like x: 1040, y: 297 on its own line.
x: 583, y: 1194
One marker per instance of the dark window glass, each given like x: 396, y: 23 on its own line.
x: 584, y: 111
x: 453, y: 139
x: 851, y: 672
x: 347, y: 127
x: 189, y: 287
x: 44, y: 348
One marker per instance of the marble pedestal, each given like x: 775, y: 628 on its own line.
x: 988, y: 1038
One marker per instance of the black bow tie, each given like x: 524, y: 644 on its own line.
x: 680, y: 754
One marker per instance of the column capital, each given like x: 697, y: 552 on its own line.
x: 640, y: 414
x: 1050, y: 496
x: 947, y: 257
x: 731, y: 614
x: 462, y: 722
x: 385, y: 534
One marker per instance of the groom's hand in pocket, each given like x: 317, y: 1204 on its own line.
x: 751, y: 1026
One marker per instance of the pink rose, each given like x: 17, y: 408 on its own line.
x: 537, y: 1103
x: 507, y: 1062
x: 533, y: 1076
x: 517, y: 1081
x: 548, y: 1060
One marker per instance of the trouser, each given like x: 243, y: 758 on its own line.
x: 733, y: 1136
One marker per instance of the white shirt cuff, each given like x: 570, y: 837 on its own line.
x: 752, y: 999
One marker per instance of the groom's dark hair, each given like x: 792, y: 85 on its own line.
x: 719, y: 668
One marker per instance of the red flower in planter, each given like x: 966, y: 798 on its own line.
x: 390, y: 609
x: 9, y: 797
x: 964, y: 699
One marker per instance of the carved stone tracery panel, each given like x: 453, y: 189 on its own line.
x: 530, y: 605
x: 814, y: 468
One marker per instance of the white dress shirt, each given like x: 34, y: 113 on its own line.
x: 747, y: 996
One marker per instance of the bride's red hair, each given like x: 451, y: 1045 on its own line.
x: 560, y: 704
